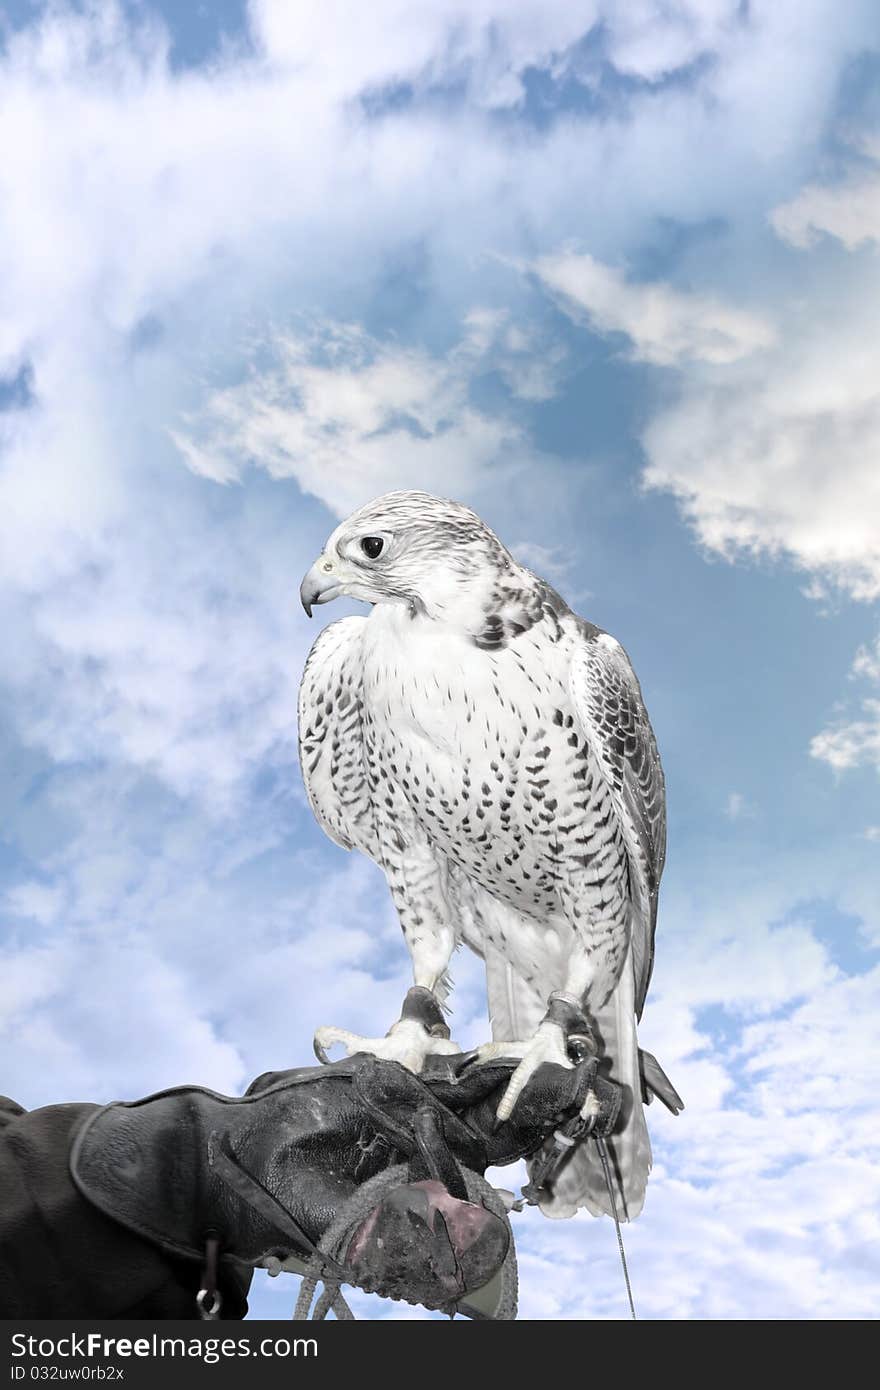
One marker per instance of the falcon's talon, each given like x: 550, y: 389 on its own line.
x: 407, y: 1042
x: 592, y: 1107
x: 548, y: 1044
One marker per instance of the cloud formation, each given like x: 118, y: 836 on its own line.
x: 665, y: 326
x: 350, y: 417
x: 849, y: 210
x: 851, y: 742
x: 778, y: 457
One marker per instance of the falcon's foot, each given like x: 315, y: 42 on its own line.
x: 563, y: 1037
x: 420, y: 1032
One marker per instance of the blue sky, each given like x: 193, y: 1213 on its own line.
x: 610, y: 274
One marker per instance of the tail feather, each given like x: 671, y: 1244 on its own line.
x: 581, y: 1182
x: 516, y: 1008
x: 655, y: 1082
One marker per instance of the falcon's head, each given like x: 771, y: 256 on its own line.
x: 410, y: 548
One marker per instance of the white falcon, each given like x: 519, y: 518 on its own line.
x: 491, y: 751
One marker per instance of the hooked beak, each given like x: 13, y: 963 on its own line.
x: 320, y: 585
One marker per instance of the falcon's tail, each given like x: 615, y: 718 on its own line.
x: 581, y: 1181
x: 517, y: 1009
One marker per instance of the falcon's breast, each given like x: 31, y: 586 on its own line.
x: 483, y: 752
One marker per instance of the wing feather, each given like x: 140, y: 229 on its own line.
x: 608, y: 701
x: 331, y: 737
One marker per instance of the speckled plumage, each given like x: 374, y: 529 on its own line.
x: 491, y: 751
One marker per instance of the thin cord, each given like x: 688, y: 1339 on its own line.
x: 603, y: 1155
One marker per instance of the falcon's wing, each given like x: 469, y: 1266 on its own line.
x: 331, y: 744
x: 608, y: 701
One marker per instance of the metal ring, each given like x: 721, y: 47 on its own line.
x: 580, y: 1046
x: 209, y: 1310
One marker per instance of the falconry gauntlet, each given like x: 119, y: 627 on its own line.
x: 261, y: 1180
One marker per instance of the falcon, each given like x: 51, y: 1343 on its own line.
x: 490, y: 750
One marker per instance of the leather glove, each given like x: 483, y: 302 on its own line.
x: 262, y: 1178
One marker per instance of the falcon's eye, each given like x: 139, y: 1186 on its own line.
x: 372, y: 546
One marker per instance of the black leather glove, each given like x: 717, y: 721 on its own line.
x: 261, y: 1180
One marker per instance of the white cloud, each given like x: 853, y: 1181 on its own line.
x: 350, y: 417
x: 137, y: 164
x: 86, y: 1019
x: 779, y: 458
x: 649, y: 42
x: 849, y: 211
x: 751, y: 1245
x: 530, y: 363
x: 852, y: 742
x: 867, y: 662
x: 554, y: 565
x: 265, y: 168
x: 814, y: 1058
x: 487, y: 46
x: 665, y: 326
x: 718, y: 968
x: 170, y: 647
x: 738, y: 807
x: 38, y: 902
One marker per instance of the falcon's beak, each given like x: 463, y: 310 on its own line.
x: 320, y: 585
